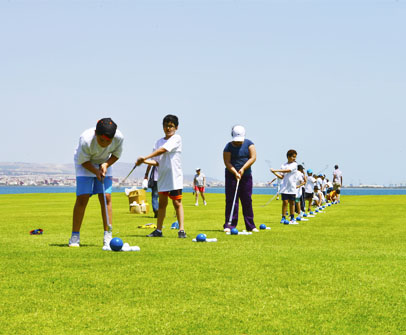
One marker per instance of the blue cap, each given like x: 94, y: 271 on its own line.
x: 310, y: 171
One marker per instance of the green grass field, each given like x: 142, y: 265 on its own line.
x: 343, y: 272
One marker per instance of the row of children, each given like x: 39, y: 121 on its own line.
x: 297, y: 187
x: 100, y: 147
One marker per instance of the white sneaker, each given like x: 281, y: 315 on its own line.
x: 108, y: 236
x: 74, y: 241
x: 293, y: 222
x: 227, y: 230
x: 196, y: 204
x: 205, y: 203
x: 255, y: 230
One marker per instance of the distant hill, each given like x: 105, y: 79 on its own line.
x: 27, y: 169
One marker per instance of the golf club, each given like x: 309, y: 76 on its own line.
x: 122, y: 182
x: 269, y: 201
x: 105, y: 207
x: 232, y: 207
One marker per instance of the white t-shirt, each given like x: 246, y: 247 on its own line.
x: 289, y: 178
x: 299, y: 180
x: 319, y: 183
x: 309, y: 187
x: 170, y: 175
x: 199, y: 179
x: 89, y: 150
x: 337, y: 176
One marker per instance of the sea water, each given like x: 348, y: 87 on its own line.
x: 256, y: 190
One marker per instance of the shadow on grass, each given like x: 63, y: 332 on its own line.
x: 65, y: 245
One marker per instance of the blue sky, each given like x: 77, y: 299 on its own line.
x: 326, y: 78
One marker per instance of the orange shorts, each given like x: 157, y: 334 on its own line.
x: 174, y: 195
x: 199, y: 188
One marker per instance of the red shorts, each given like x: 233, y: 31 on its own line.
x: 174, y: 195
x: 199, y: 188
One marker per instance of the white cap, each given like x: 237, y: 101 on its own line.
x: 238, y: 133
x: 197, y: 169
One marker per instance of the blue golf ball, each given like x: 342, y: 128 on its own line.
x: 201, y: 237
x: 311, y: 213
x: 116, y: 244
x: 286, y: 222
x: 305, y: 215
x: 262, y: 226
x: 298, y: 218
x: 234, y: 231
x: 316, y: 210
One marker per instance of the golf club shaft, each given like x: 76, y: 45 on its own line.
x: 129, y: 174
x: 232, y: 207
x: 105, y: 207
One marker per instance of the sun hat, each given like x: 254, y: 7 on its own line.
x: 238, y: 133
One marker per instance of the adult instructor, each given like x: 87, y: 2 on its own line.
x: 238, y: 156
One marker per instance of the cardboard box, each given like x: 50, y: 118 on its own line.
x: 137, y: 195
x: 139, y: 208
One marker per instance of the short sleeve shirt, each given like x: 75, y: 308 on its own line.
x: 239, y: 155
x: 89, y: 150
x: 199, y: 178
x: 170, y: 174
x: 289, y: 178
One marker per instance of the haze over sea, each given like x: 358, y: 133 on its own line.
x: 256, y: 190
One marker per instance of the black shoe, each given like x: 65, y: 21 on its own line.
x: 182, y: 234
x: 155, y: 233
x: 155, y: 214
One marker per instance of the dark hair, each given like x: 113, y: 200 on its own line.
x: 171, y: 118
x: 106, y: 127
x: 300, y: 167
x: 290, y: 153
x: 316, y: 187
x: 338, y: 191
x: 336, y: 167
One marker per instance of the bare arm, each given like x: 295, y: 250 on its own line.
x: 250, y: 161
x: 102, y: 170
x: 276, y: 174
x: 146, y: 159
x: 229, y: 166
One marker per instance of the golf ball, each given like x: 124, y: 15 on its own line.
x: 234, y: 231
x: 116, y: 244
x: 201, y: 237
x: 262, y: 226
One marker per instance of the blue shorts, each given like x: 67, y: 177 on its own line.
x: 91, y: 185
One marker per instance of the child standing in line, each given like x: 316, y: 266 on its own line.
x: 98, y: 149
x: 300, y: 181
x: 309, y: 188
x: 167, y: 156
x: 288, y: 187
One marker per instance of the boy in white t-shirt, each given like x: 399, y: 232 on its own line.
x: 287, y: 173
x: 98, y: 149
x: 167, y: 156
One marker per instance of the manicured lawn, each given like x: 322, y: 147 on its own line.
x: 343, y: 272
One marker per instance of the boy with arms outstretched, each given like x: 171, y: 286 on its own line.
x: 98, y: 149
x: 167, y: 157
x: 287, y: 173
